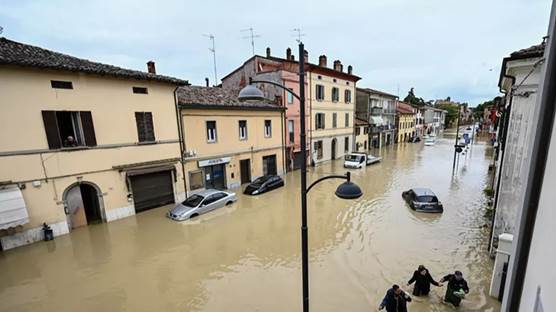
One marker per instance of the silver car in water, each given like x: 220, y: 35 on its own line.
x: 200, y: 203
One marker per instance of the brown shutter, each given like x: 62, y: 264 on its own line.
x: 88, y: 128
x: 51, y: 129
x: 149, y: 127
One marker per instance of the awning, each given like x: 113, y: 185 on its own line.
x: 145, y: 170
x: 13, y: 211
x: 377, y: 121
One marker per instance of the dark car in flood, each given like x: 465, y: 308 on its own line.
x: 422, y: 200
x: 263, y: 184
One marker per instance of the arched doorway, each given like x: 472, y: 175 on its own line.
x: 82, y: 204
x: 333, y: 149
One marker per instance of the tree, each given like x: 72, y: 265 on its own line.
x: 479, y: 109
x: 412, y: 99
x: 452, y: 112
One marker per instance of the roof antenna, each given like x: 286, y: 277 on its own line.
x: 298, y: 35
x: 251, y: 36
x: 213, y: 50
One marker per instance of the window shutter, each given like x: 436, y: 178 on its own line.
x: 88, y: 128
x: 140, y: 121
x: 149, y: 126
x: 51, y: 129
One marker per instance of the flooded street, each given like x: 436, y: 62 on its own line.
x: 246, y: 257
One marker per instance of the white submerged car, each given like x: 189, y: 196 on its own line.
x: 359, y: 160
x: 430, y: 140
x: 200, y: 203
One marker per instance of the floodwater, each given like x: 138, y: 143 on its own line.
x: 246, y: 257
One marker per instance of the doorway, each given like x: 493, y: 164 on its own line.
x: 333, y: 149
x: 82, y: 205
x: 245, y: 170
x: 215, y: 177
x: 269, y: 165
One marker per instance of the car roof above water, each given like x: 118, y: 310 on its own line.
x: 208, y: 192
x: 422, y: 191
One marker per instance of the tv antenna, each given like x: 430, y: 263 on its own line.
x: 298, y: 35
x: 251, y: 36
x: 213, y: 50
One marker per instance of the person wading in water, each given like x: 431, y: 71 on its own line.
x: 395, y: 300
x: 423, y: 281
x: 457, y: 288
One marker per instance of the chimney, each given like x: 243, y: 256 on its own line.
x: 267, y: 52
x: 288, y: 54
x: 322, y: 60
x: 292, y: 57
x: 150, y: 67
x: 350, y: 69
x: 306, y: 56
x: 338, y: 65
x: 207, y: 81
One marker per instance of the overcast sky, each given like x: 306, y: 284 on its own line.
x: 440, y: 47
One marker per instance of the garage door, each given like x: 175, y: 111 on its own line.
x: 152, y: 190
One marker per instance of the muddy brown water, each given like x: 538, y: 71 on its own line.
x: 246, y: 257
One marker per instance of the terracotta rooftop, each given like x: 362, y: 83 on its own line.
x: 361, y: 122
x: 532, y: 51
x: 218, y: 98
x: 20, y: 54
x: 404, y: 108
x: 374, y: 91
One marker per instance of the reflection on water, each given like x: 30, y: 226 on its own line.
x: 246, y: 257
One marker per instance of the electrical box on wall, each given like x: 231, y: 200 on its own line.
x: 36, y: 183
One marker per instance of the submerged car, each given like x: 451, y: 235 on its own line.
x: 264, y: 184
x: 360, y: 160
x: 200, y: 203
x: 422, y: 200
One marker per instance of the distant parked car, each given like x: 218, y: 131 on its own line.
x: 263, y: 184
x: 200, y: 203
x: 422, y: 200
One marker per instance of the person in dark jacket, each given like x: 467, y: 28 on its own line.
x: 423, y: 281
x: 457, y: 288
x: 395, y: 300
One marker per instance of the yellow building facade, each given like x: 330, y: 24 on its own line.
x: 123, y: 133
x: 405, y: 117
x: 361, y: 135
x: 331, y: 96
x: 229, y: 143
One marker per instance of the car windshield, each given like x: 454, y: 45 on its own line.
x: 427, y: 199
x: 260, y: 180
x: 356, y: 158
x: 193, y: 200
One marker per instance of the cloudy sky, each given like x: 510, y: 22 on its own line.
x: 440, y: 47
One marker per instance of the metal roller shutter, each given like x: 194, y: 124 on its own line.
x: 152, y: 190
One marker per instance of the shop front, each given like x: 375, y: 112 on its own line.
x: 214, y: 172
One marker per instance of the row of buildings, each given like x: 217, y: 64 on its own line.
x: 524, y: 180
x: 84, y: 142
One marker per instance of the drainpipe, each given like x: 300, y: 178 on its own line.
x: 180, y: 139
x: 541, y: 147
x: 504, y: 124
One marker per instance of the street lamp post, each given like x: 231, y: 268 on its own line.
x: 346, y: 190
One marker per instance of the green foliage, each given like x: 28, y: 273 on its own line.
x: 412, y: 99
x: 488, y: 192
x: 452, y: 111
x: 479, y: 109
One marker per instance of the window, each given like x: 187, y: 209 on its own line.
x: 290, y: 131
x: 318, y: 149
x: 357, y: 130
x: 319, y: 121
x: 366, y: 130
x: 140, y: 90
x: 347, y: 120
x: 57, y: 84
x: 346, y: 145
x: 335, y: 94
x: 267, y: 128
x: 69, y: 129
x: 211, y: 131
x: 196, y: 179
x: 290, y: 97
x: 334, y: 120
x: 347, y: 96
x: 319, y: 93
x: 243, y: 129
x: 145, y: 128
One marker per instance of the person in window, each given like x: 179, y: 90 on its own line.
x: 395, y: 300
x: 457, y: 288
x: 423, y: 281
x: 70, y: 142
